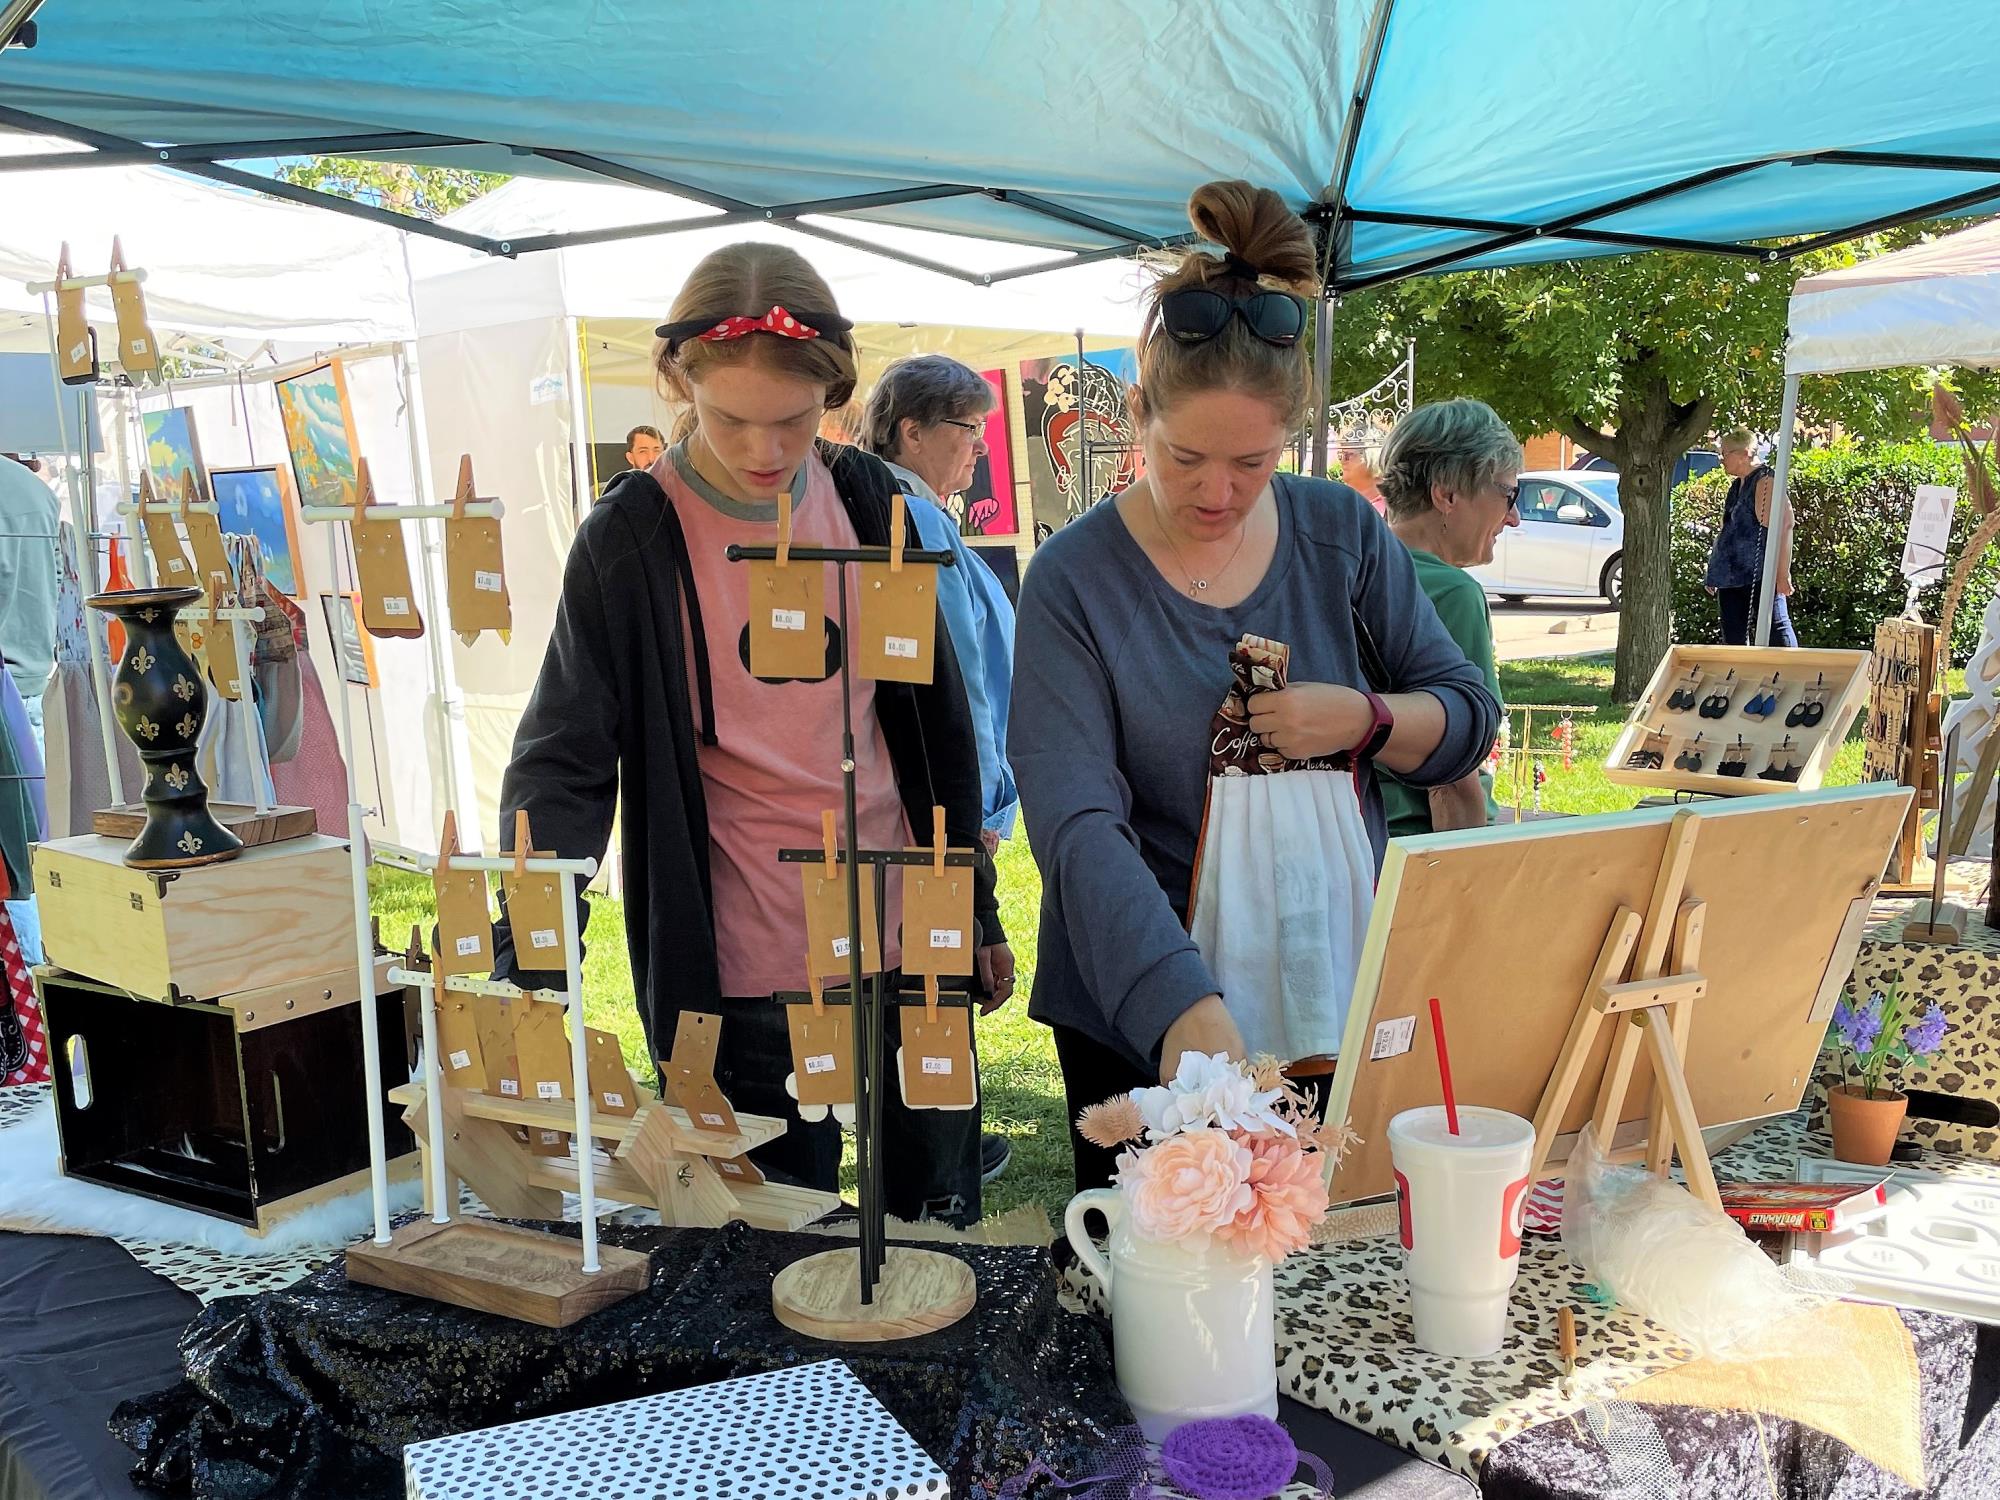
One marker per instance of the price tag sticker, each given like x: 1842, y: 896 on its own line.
x: 821, y: 1063
x: 467, y: 946
x: 788, y: 619
x: 940, y: 1066
x: 614, y: 1101
x: 511, y: 1087
x: 1393, y: 1038
x: 716, y: 1120
x: 902, y: 646
x: 488, y: 582
x: 945, y: 937
x: 547, y: 1089
x: 545, y: 937
x: 461, y: 1059
x: 395, y: 604
x: 842, y: 946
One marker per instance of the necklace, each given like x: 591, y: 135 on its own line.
x: 1199, y: 586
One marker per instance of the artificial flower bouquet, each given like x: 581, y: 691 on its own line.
x: 1880, y: 1032
x: 1227, y: 1152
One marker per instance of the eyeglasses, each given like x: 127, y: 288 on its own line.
x: 1194, y: 315
x: 975, y: 428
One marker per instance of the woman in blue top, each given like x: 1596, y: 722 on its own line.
x: 1736, y: 561
x: 1128, y: 617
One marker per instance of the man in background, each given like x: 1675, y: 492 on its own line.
x: 643, y: 447
x: 28, y: 514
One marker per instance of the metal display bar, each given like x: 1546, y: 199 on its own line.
x: 477, y: 510
x: 736, y: 552
x: 171, y: 508
x: 76, y: 283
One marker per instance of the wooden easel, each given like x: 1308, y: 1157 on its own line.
x: 1653, y: 1008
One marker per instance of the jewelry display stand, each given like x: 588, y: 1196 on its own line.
x: 1737, y: 721
x: 868, y: 1292
x: 1901, y: 737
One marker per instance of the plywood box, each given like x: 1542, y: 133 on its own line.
x: 274, y: 914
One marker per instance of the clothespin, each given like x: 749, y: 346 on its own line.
x: 522, y: 842
x: 1566, y: 1338
x: 931, y: 998
x: 937, y: 840
x: 215, y: 592
x: 364, y: 490
x: 464, y: 496
x: 448, y: 839
x: 818, y: 992
x: 826, y: 833
x: 418, y: 951
x: 897, y: 510
x: 146, y: 497
x: 117, y: 256
x: 784, y: 559
x: 62, y: 267
x: 188, y: 491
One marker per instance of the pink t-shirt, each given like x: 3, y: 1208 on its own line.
x: 775, y: 765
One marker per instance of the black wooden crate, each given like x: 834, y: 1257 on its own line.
x: 195, y: 1104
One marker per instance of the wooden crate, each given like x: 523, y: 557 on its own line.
x: 275, y: 914
x: 1845, y: 672
x: 247, y: 1107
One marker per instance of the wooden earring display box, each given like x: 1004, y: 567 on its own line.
x: 246, y: 1107
x: 1667, y: 729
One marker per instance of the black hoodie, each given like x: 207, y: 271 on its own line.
x: 612, y: 714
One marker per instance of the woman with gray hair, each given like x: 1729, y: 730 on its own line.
x: 1449, y: 476
x: 927, y: 418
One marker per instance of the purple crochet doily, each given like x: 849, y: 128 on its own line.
x: 1221, y: 1458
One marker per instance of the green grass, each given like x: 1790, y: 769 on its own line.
x: 1022, y: 1084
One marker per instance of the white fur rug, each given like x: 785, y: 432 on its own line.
x: 35, y: 1198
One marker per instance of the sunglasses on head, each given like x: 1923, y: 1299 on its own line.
x: 1194, y: 315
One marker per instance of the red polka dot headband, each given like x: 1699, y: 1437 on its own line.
x: 716, y: 328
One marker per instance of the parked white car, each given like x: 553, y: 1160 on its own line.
x: 1570, y: 541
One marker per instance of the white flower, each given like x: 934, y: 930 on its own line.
x: 1209, y: 1090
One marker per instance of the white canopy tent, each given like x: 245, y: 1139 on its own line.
x: 528, y: 362
x: 271, y: 288
x: 1936, y: 303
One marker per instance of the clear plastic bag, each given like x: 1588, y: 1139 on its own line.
x: 1666, y: 1255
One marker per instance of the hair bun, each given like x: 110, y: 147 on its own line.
x: 1256, y: 228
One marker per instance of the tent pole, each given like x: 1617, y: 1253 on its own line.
x: 1322, y: 378
x: 1781, y: 511
x: 431, y: 551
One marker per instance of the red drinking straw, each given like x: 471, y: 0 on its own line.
x: 1444, y: 1066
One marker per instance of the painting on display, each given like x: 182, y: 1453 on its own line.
x: 257, y: 503
x: 350, y: 641
x: 171, y: 452
x: 1058, y: 399
x: 986, y: 506
x: 319, y: 431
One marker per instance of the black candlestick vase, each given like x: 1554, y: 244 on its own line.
x: 160, y: 701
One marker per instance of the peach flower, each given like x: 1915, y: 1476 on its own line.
x: 1185, y: 1186
x: 1288, y: 1197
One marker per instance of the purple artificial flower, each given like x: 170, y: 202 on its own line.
x: 1858, y: 1029
x: 1927, y: 1035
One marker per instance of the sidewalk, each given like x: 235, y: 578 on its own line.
x: 1522, y: 632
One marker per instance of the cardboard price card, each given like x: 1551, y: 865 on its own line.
x: 542, y: 1046
x: 475, y: 572
x: 827, y: 938
x: 937, y: 921
x: 460, y: 1056
x: 534, y: 915
x: 935, y: 1060
x: 788, y: 621
x: 612, y: 1091
x: 822, y: 1054
x: 898, y: 622
x: 493, y: 1020
x: 690, y: 1075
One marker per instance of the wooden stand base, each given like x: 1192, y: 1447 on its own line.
x: 497, y: 1268
x: 1935, y: 924
x: 921, y: 1291
x: 273, y: 826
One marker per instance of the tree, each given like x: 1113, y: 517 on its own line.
x: 426, y: 192
x: 1636, y: 357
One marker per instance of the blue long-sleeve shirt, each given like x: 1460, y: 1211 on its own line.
x: 979, y: 617
x: 1120, y: 677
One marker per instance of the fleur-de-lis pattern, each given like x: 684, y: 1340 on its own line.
x: 183, y: 690
x: 189, y: 843
x: 142, y: 660
x: 187, y: 727
x: 146, y: 727
x: 149, y: 615
x: 176, y: 777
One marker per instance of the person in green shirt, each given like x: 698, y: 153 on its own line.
x: 1449, y: 475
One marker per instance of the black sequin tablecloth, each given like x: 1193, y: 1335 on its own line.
x: 313, y: 1391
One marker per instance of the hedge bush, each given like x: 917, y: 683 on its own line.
x: 1852, y: 502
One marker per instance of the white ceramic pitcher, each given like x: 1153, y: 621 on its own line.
x: 1193, y: 1331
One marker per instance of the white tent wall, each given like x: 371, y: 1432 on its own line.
x: 502, y: 394
x: 240, y: 425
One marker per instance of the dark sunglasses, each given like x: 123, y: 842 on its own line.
x: 1194, y: 315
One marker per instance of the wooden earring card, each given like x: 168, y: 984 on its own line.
x: 75, y: 344
x: 787, y: 612
x: 138, y: 350
x: 937, y: 911
x: 459, y: 1052
x: 935, y: 1059
x: 218, y: 643
x: 534, y: 904
x: 827, y: 937
x: 897, y: 618
x: 388, y: 602
x: 690, y: 1073
x: 172, y: 568
x: 465, y: 925
x: 822, y: 1054
x: 475, y: 570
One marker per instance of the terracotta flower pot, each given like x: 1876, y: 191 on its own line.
x: 1864, y: 1129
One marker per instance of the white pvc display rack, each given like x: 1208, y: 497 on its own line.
x: 1935, y: 1245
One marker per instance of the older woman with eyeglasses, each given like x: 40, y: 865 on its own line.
x: 1134, y: 618
x: 1449, y: 475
